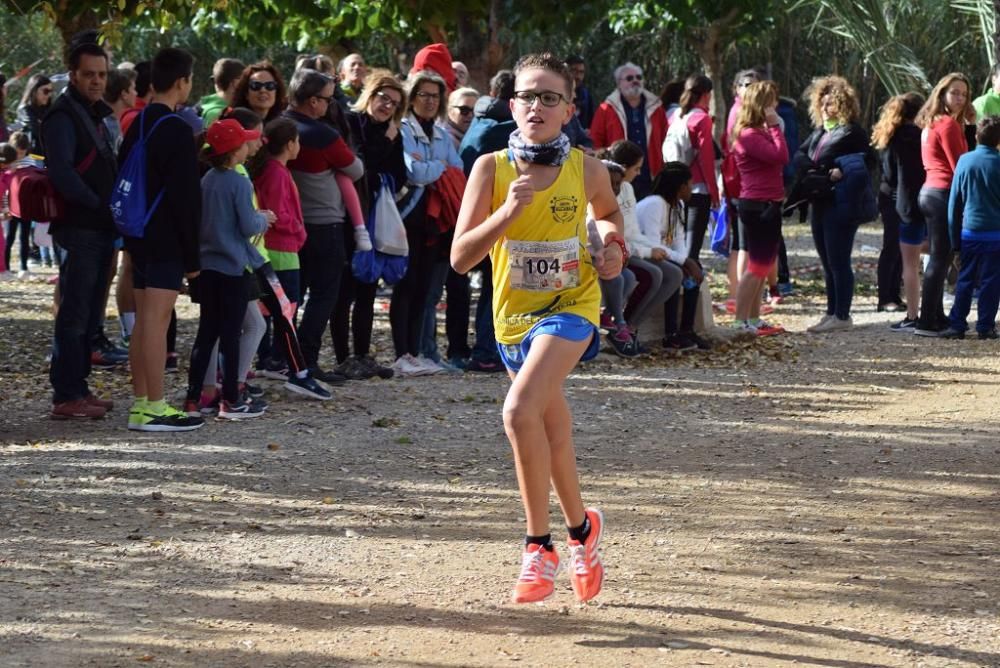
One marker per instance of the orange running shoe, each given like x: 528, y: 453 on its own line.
x: 538, y: 573
x: 587, y: 574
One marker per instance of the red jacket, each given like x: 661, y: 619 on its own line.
x: 277, y: 192
x: 941, y: 145
x: 609, y: 126
x: 445, y: 199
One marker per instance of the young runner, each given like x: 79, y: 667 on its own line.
x: 527, y: 207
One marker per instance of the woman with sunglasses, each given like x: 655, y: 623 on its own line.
x: 428, y: 151
x: 262, y: 90
x: 461, y: 103
x: 35, y: 103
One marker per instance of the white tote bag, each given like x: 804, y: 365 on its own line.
x: 389, y: 233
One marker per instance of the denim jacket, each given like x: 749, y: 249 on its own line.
x: 436, y: 154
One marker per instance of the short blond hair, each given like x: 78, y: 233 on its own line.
x: 843, y: 95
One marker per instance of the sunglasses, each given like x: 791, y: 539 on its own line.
x: 632, y: 77
x: 328, y: 100
x: 547, y: 98
x: 462, y: 109
x: 270, y: 86
x: 386, y: 99
x: 45, y: 91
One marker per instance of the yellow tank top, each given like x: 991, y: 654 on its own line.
x: 541, y: 265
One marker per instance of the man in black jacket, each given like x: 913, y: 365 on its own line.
x: 82, y: 168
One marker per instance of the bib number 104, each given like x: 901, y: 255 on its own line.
x: 541, y: 266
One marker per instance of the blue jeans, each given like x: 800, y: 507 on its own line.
x: 323, y: 258
x: 83, y: 278
x: 456, y: 315
x: 485, y: 348
x: 980, y: 259
x: 834, y: 241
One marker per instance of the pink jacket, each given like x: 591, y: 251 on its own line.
x: 277, y: 192
x: 760, y: 157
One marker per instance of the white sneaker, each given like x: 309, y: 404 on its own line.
x: 433, y: 368
x: 362, y: 241
x: 406, y: 366
x: 822, y: 321
x: 833, y: 324
x: 24, y: 275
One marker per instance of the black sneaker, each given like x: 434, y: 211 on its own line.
x: 622, y: 342
x: 373, y: 368
x: 679, y: 343
x: 986, y: 336
x: 169, y: 420
x: 930, y: 332
x: 905, y: 326
x: 699, y: 342
x: 246, y: 407
x: 255, y: 391
x: 952, y: 333
x: 275, y: 370
x: 351, y: 369
x: 171, y: 364
x: 484, y: 366
x: 105, y: 354
x: 328, y: 377
x: 309, y: 387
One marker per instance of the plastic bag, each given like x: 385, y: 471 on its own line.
x: 389, y: 234
x: 720, y: 230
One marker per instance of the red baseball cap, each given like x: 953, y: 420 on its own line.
x: 228, y: 135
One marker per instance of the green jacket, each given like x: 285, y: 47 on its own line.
x: 987, y: 105
x: 212, y: 107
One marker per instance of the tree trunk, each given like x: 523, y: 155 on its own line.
x: 710, y: 52
x: 69, y: 22
x: 483, y: 54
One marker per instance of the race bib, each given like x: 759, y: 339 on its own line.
x: 544, y: 266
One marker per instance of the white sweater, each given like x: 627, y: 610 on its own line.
x: 656, y: 222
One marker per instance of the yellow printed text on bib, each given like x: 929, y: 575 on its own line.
x: 541, y: 265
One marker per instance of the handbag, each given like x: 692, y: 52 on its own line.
x: 389, y: 233
x: 720, y: 230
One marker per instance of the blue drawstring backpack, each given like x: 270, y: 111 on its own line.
x: 370, y: 266
x: 720, y: 232
x: 128, y: 199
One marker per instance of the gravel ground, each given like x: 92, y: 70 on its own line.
x: 811, y: 500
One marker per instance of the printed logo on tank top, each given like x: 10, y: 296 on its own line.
x: 564, y: 208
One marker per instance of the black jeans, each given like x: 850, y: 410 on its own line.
x: 406, y: 309
x: 933, y: 204
x: 83, y: 278
x: 13, y: 225
x: 890, y: 260
x: 223, y: 304
x: 322, y: 258
x: 699, y: 210
x: 834, y: 239
x: 357, y: 321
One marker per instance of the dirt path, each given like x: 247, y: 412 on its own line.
x: 823, y: 501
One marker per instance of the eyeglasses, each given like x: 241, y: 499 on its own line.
x: 386, y: 99
x: 428, y: 96
x: 744, y: 84
x: 270, y: 86
x: 328, y: 100
x: 464, y: 110
x: 547, y: 98
x: 632, y: 77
